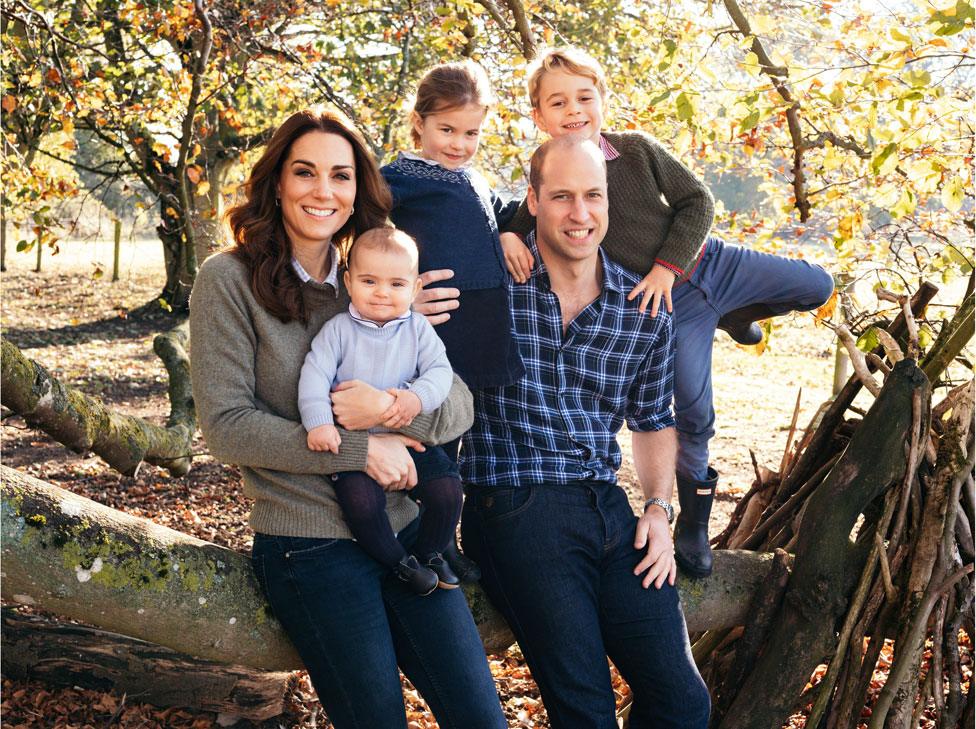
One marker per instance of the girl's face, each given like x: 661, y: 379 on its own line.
x: 450, y: 137
x: 317, y: 188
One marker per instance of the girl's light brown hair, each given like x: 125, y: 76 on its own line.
x: 450, y: 86
x: 257, y: 226
x: 571, y: 60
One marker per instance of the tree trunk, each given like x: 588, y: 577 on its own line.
x: 72, y: 556
x: 83, y: 423
x: 827, y: 563
x: 74, y: 655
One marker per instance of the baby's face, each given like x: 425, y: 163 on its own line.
x: 382, y: 284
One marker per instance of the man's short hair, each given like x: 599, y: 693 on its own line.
x: 569, y: 141
x: 385, y: 240
x: 571, y: 60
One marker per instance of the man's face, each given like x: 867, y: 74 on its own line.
x: 570, y: 206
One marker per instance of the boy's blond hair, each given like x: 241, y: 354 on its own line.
x: 571, y: 60
x: 385, y: 240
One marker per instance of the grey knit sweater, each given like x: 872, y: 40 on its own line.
x: 245, y: 365
x: 660, y: 212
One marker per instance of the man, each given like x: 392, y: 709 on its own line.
x: 578, y: 576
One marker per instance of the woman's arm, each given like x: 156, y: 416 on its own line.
x: 237, y: 426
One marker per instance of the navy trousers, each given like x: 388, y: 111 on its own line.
x: 558, y: 561
x: 727, y: 278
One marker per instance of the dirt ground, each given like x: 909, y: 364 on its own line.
x: 76, y: 326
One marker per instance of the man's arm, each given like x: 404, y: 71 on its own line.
x: 655, y: 454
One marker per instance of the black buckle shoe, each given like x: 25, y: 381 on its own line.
x: 446, y: 579
x: 421, y: 580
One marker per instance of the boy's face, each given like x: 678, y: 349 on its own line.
x: 568, y: 104
x: 382, y: 284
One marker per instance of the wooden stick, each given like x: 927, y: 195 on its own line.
x: 785, y: 460
x: 890, y: 593
x: 858, y: 360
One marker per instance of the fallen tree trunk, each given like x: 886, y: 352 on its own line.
x: 84, y: 424
x: 69, y: 555
x: 74, y: 655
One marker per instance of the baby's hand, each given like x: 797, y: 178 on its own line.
x: 324, y: 438
x: 405, y: 408
x: 655, y: 286
x: 518, y: 258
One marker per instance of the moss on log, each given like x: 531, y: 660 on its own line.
x: 72, y: 556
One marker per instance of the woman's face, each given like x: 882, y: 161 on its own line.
x: 317, y: 188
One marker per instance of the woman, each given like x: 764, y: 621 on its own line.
x: 254, y: 311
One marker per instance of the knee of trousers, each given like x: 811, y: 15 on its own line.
x: 819, y: 287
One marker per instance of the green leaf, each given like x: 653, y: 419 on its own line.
x: 686, y: 110
x: 517, y: 174
x: 749, y: 122
x: 869, y: 341
x: 659, y: 98
x: 23, y: 245
x: 879, y: 165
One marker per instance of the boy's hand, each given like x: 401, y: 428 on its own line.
x: 654, y: 286
x: 404, y: 409
x: 518, y: 258
x: 324, y: 438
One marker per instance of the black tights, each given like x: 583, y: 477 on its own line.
x: 363, y: 504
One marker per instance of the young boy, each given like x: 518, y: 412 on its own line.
x: 381, y: 342
x: 660, y: 217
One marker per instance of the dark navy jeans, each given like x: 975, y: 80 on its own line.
x: 353, y: 622
x: 727, y: 278
x: 558, y: 561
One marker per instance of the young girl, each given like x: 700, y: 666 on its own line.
x: 448, y: 208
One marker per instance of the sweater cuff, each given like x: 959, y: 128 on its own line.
x: 353, y: 450
x: 428, y: 398
x: 676, y: 270
x: 316, y: 418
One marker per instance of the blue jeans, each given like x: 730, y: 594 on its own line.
x: 353, y: 623
x: 558, y: 561
x: 727, y: 278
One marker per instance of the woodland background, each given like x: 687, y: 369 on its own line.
x: 838, y: 131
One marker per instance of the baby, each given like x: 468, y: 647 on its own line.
x: 381, y: 342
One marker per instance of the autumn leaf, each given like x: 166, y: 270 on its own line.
x: 953, y: 193
x: 193, y: 172
x: 9, y: 103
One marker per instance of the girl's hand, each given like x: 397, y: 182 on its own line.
x: 358, y: 406
x: 405, y: 408
x: 324, y: 438
x: 436, y: 303
x: 388, y: 461
x: 655, y: 286
x: 518, y: 258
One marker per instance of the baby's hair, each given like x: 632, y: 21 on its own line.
x: 571, y: 60
x: 385, y: 240
x: 449, y: 86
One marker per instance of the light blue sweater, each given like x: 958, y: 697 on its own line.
x: 405, y: 353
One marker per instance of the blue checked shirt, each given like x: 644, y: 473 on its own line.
x: 559, y: 423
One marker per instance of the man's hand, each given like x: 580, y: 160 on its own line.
x: 655, y: 286
x: 404, y: 409
x: 518, y: 257
x: 324, y: 438
x: 436, y: 303
x: 654, y: 533
x: 358, y: 406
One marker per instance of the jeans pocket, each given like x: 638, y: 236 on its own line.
x: 501, y: 504
x: 305, y: 548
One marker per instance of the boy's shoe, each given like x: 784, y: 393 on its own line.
x: 691, y: 548
x: 446, y: 579
x: 740, y: 324
x: 421, y: 580
x: 465, y: 568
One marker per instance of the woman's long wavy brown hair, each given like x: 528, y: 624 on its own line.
x: 260, y: 240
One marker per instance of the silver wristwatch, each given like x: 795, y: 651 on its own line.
x: 668, y: 509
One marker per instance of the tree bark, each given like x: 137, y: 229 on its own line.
x: 74, y: 557
x: 75, y: 655
x: 84, y: 424
x: 827, y: 563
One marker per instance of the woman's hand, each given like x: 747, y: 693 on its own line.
x: 388, y: 461
x: 436, y: 303
x: 518, y: 258
x: 358, y: 406
x: 655, y: 286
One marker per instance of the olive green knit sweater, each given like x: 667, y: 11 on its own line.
x: 245, y: 365
x: 660, y: 212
